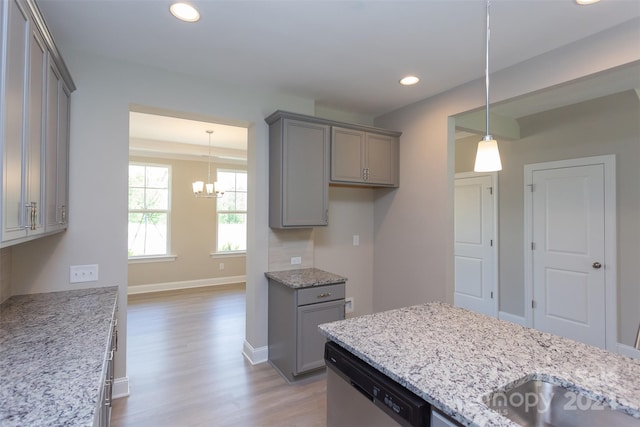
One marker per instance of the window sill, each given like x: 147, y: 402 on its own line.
x: 153, y: 258
x: 230, y: 254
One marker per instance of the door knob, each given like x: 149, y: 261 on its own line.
x: 596, y: 265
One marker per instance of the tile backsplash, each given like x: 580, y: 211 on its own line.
x: 285, y: 244
x: 5, y: 274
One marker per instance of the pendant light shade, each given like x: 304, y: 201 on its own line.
x: 487, y: 155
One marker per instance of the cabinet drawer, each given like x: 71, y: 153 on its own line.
x: 318, y: 294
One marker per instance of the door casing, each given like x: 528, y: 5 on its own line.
x: 610, y: 254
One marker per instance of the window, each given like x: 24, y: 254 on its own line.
x: 232, y: 211
x: 148, y: 209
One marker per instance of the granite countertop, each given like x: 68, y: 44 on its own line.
x: 453, y: 357
x: 52, y: 350
x: 305, y: 277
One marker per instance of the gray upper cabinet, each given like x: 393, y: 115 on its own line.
x: 363, y: 157
x: 307, y: 153
x: 298, y: 172
x: 33, y: 133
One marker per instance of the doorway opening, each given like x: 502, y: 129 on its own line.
x: 178, y: 240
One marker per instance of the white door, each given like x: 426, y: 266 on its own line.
x: 568, y: 255
x: 475, y: 243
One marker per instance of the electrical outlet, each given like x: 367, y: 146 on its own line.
x: 221, y: 266
x: 348, y: 305
x: 83, y: 273
x: 356, y: 240
x: 295, y: 260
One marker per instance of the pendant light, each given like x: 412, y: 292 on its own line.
x: 212, y: 189
x: 487, y: 156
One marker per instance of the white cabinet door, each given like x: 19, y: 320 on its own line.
x: 57, y: 146
x: 13, y: 106
x: 34, y: 138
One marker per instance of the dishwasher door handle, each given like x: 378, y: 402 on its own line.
x: 361, y: 390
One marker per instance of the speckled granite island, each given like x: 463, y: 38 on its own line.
x: 299, y: 300
x: 453, y: 358
x: 52, y: 356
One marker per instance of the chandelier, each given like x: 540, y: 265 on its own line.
x: 209, y: 190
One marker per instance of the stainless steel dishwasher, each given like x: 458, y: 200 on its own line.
x: 359, y: 395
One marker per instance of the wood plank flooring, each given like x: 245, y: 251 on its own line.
x: 186, y: 367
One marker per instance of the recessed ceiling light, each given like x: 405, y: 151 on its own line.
x: 184, y: 12
x: 409, y: 80
x: 583, y: 2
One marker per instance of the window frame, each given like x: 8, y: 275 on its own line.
x: 167, y: 256
x: 218, y: 252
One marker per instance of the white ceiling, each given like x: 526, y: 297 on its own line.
x: 347, y: 55
x: 179, y: 137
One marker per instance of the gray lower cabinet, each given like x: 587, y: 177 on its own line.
x: 310, y: 343
x: 103, y: 411
x: 298, y: 172
x: 296, y: 347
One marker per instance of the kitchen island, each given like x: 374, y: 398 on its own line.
x: 52, y: 357
x: 454, y: 359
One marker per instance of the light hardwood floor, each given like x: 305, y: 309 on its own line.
x: 186, y: 367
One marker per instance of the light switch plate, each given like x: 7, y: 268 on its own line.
x: 356, y: 240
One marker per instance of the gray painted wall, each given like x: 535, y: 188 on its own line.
x: 413, y: 251
x: 607, y: 125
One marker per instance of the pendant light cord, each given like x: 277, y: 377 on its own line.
x: 486, y: 74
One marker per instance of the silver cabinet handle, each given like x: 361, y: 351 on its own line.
x: 324, y: 295
x: 33, y: 215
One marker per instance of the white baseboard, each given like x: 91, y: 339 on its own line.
x: 627, y: 350
x: 121, y: 387
x: 173, y: 286
x: 512, y: 318
x: 255, y: 355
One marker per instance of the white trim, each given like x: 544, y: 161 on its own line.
x: 610, y: 254
x: 121, y: 387
x: 231, y: 254
x: 627, y: 350
x: 519, y: 320
x: 152, y: 258
x: 255, y: 355
x: 496, y: 236
x: 172, y: 286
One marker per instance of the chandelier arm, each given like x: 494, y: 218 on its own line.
x: 209, y: 156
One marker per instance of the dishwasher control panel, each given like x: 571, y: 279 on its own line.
x: 399, y: 403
